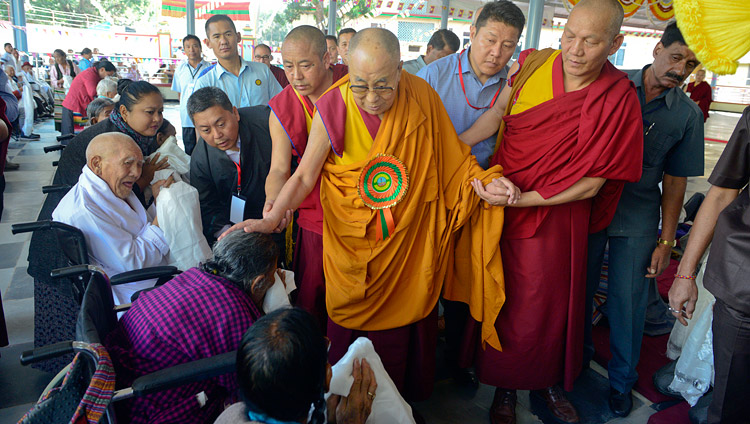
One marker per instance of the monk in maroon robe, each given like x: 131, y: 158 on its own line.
x: 700, y: 92
x: 571, y: 137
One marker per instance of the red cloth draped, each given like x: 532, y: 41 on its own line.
x: 701, y: 93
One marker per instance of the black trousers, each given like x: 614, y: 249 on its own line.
x: 67, y: 124
x: 188, y: 139
x: 731, y: 330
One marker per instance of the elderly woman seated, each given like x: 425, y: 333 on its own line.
x: 283, y: 373
x: 198, y: 314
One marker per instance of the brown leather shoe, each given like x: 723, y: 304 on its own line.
x: 558, y: 404
x: 503, y: 409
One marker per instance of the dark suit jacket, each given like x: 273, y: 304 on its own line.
x: 214, y: 174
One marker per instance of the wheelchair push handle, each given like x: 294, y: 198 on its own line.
x: 27, y: 227
x: 54, y: 148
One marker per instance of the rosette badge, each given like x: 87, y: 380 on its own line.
x: 383, y: 183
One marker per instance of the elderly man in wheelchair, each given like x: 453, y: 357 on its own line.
x: 121, y: 235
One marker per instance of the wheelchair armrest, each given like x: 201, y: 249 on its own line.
x: 190, y: 372
x: 27, y: 227
x: 65, y: 137
x: 143, y: 274
x: 54, y: 148
x: 46, y: 352
x: 55, y: 188
x: 68, y: 272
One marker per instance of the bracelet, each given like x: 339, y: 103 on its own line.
x: 686, y: 277
x: 672, y: 243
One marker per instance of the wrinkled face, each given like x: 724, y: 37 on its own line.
x: 218, y: 127
x: 432, y: 54
x: 192, y: 49
x: 304, y: 68
x: 105, y: 112
x: 262, y: 55
x: 673, y: 64
x: 223, y: 40
x: 344, y: 46
x: 379, y: 76
x: 146, y: 116
x: 11, y: 71
x: 333, y: 51
x: 700, y: 76
x: 586, y: 43
x: 28, y: 68
x: 492, y: 46
x: 120, y: 169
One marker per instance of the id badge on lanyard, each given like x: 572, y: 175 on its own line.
x: 237, y: 208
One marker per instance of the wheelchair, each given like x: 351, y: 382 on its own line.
x: 86, y: 387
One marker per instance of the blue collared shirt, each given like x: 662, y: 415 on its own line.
x: 183, y: 82
x: 672, y: 144
x: 255, y: 85
x: 444, y: 77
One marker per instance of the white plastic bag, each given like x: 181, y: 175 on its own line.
x: 67, y: 80
x: 27, y: 99
x: 694, y: 371
x: 179, y: 215
x: 388, y: 406
x: 278, y: 295
x: 178, y: 159
x: 680, y: 332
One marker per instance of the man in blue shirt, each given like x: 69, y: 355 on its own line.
x: 442, y: 43
x: 468, y: 84
x: 183, y: 82
x: 246, y: 83
x: 85, y: 61
x: 672, y: 151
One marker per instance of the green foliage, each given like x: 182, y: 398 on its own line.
x: 120, y: 11
x: 284, y: 21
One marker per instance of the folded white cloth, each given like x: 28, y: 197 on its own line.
x: 179, y: 214
x: 388, y: 406
x: 278, y: 295
x: 178, y: 159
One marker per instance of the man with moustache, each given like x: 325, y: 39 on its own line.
x: 306, y: 63
x: 673, y: 151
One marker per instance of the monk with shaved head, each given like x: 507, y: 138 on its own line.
x: 120, y: 234
x: 395, y: 190
x: 306, y: 63
x: 570, y: 137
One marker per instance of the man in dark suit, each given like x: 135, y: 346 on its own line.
x: 231, y: 160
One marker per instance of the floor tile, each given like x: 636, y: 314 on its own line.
x: 19, y: 318
x: 21, y: 285
x: 9, y: 253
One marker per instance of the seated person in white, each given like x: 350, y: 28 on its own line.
x: 120, y: 234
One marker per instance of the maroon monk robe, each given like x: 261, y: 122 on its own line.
x: 702, y: 94
x: 290, y: 110
x: 593, y: 132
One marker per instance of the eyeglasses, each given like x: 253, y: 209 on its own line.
x: 264, y: 57
x: 362, y: 90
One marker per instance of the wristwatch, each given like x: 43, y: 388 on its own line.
x: 672, y: 243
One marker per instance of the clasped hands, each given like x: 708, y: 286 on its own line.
x: 499, y: 192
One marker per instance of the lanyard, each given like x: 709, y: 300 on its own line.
x: 239, y: 176
x: 193, y: 74
x: 461, y: 76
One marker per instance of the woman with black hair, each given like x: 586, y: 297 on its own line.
x: 60, y: 69
x: 283, y: 373
x: 137, y: 114
x: 82, y: 92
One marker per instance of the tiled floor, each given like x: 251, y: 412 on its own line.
x: 449, y: 404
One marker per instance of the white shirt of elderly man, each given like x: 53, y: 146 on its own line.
x: 120, y: 234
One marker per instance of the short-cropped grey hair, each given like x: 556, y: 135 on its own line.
x: 240, y: 257
x: 97, y: 105
x: 107, y: 85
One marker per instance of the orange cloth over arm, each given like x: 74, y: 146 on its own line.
x: 382, y: 284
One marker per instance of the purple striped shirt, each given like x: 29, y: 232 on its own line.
x: 195, y: 315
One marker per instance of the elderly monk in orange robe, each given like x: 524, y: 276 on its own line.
x: 305, y: 59
x: 571, y: 137
x: 395, y: 186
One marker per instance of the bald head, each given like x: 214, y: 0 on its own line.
x: 378, y: 42
x: 310, y: 36
x: 609, y: 11
x: 115, y: 158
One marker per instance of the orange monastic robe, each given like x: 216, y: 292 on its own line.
x: 374, y: 284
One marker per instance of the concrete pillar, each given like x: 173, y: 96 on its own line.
x: 444, y: 14
x: 534, y: 24
x: 332, y: 7
x: 190, y: 9
x: 19, y: 19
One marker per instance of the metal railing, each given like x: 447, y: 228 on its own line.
x: 732, y: 94
x: 44, y: 16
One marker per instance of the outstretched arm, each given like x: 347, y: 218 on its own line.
x: 297, y: 187
x: 281, y: 157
